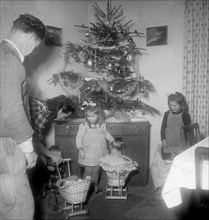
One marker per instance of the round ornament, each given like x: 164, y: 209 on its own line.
x: 89, y: 62
x: 111, y: 88
x: 109, y: 65
x: 130, y: 58
x: 142, y: 79
x: 142, y: 90
x: 130, y: 40
x: 118, y: 24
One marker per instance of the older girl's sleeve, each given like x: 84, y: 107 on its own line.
x: 79, y: 136
x: 106, y: 133
x: 186, y: 118
x: 164, y: 125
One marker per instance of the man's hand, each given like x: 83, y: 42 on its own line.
x: 31, y: 159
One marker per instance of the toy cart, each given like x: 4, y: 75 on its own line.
x: 116, y: 175
x: 74, y: 193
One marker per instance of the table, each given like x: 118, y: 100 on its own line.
x: 182, y: 175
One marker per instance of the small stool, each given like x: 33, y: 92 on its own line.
x: 116, y: 192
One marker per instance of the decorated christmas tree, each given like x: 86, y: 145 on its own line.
x: 110, y: 55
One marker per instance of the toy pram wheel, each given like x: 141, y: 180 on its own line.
x: 60, y: 209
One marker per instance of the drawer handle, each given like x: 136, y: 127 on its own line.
x: 67, y: 131
x: 136, y: 131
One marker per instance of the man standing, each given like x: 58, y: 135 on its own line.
x: 16, y: 148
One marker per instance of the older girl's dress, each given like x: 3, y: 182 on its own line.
x: 170, y: 130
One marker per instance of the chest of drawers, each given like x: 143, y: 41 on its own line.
x: 135, y: 136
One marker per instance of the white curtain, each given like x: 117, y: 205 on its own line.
x: 196, y: 61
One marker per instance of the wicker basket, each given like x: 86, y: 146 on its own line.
x: 117, y: 173
x: 74, y: 191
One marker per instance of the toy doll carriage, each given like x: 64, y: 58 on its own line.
x: 74, y: 191
x: 117, y: 170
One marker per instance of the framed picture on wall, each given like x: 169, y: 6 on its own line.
x: 54, y: 36
x: 157, y: 36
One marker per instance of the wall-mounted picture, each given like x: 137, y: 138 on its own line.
x: 156, y: 36
x: 54, y: 36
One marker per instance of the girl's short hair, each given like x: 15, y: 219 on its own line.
x: 96, y: 109
x: 180, y: 99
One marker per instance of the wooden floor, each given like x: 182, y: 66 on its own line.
x: 142, y: 203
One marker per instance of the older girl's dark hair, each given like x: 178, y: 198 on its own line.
x: 180, y: 99
x: 97, y: 109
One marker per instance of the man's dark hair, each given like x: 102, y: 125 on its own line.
x: 30, y: 24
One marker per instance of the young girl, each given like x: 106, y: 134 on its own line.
x: 176, y: 117
x: 91, y: 142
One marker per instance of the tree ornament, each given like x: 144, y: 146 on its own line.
x: 142, y: 90
x: 87, y: 34
x: 89, y: 62
x: 130, y: 40
x: 110, y: 65
x: 129, y: 58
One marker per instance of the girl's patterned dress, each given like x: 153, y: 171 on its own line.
x: 93, y: 142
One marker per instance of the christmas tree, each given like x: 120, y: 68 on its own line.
x: 111, y: 57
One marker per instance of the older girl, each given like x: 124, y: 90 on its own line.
x: 176, y: 117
